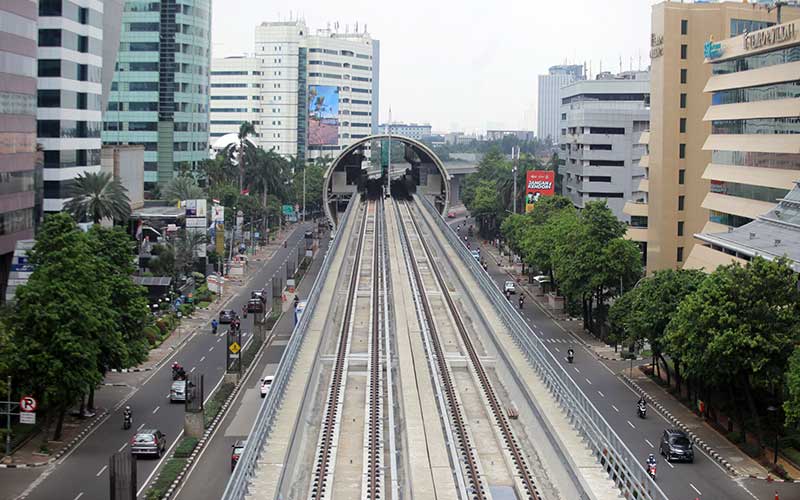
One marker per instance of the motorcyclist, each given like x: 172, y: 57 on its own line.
x: 641, y: 405
x: 296, y: 301
x: 244, y: 311
x: 651, y: 462
x: 570, y: 354
x: 214, y: 325
x: 521, y: 300
x: 127, y: 417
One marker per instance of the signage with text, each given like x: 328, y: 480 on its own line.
x: 538, y: 183
x: 769, y: 36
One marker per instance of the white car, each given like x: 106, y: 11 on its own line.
x: 509, y: 287
x: 266, y: 383
x: 476, y: 254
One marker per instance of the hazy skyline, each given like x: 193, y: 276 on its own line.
x: 464, y: 65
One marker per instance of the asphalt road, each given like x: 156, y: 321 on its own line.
x: 83, y: 473
x: 209, y: 476
x: 680, y: 481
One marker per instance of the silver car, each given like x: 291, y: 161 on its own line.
x: 149, y: 442
x: 178, y: 391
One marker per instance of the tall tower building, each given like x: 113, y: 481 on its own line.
x: 677, y: 159
x: 18, y: 35
x: 549, y: 102
x: 309, y: 94
x: 603, y: 120
x: 159, y: 96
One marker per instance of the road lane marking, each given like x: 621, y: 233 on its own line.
x: 79, y: 495
x: 615, y: 408
x: 106, y: 467
x: 576, y: 369
x: 219, y: 339
x: 557, y: 349
x: 695, y: 489
x: 122, y: 447
x: 601, y: 394
x: 154, y: 411
x: 587, y: 381
x: 140, y: 426
x: 648, y: 442
x: 670, y: 464
x: 193, y: 368
x: 211, y: 348
x: 202, y: 359
x: 632, y: 426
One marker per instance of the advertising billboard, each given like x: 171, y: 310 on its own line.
x: 538, y: 183
x: 323, y: 115
x: 196, y: 208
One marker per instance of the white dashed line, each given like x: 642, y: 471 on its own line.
x: 141, y: 425
x: 670, y: 464
x: 576, y: 369
x: 615, y: 408
x: 154, y: 411
x: 193, y: 369
x: 106, y: 467
x: 695, y: 489
x: 557, y: 349
x: 211, y: 348
x: 648, y: 442
x: 632, y: 426
x: 219, y: 339
x: 122, y: 448
x: 601, y: 394
x: 79, y: 495
x: 587, y: 381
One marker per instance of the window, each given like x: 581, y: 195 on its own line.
x: 50, y: 67
x: 49, y: 98
x: 49, y: 38
x: 143, y: 47
x: 684, y: 26
x: 680, y: 228
x: 683, y: 126
x: 684, y: 50
x: 681, y: 201
x: 680, y: 254
x: 682, y: 151
x: 683, y: 75
x: 563, y: 116
x: 682, y: 176
x: 683, y: 101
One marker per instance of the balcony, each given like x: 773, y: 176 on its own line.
x: 644, y: 185
x: 635, y: 208
x: 636, y: 233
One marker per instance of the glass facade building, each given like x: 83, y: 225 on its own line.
x: 159, y: 94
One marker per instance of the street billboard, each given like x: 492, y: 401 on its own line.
x: 323, y: 115
x: 538, y: 183
x: 196, y: 208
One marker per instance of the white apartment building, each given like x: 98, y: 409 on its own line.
x: 412, y: 130
x: 549, y: 102
x: 312, y: 95
x: 601, y: 123
x: 235, y: 88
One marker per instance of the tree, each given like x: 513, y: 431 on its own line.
x: 643, y: 313
x: 60, y: 318
x: 738, y: 329
x: 98, y: 196
x: 241, y: 153
x: 313, y: 172
x: 791, y: 407
x: 485, y: 206
x: 183, y: 187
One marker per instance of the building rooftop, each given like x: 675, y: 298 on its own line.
x: 773, y: 235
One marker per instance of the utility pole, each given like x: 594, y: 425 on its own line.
x: 389, y: 164
x: 305, y: 164
x: 515, y: 160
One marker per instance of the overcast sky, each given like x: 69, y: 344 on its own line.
x: 462, y: 64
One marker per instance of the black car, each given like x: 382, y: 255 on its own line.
x: 676, y: 445
x: 227, y: 315
x: 238, y: 449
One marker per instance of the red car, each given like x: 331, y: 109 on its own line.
x: 451, y: 215
x: 238, y: 449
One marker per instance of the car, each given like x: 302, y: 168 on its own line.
x: 509, y: 287
x: 266, y: 383
x: 255, y: 306
x: 178, y: 391
x: 451, y: 215
x: 227, y: 316
x: 259, y: 294
x: 149, y: 442
x: 676, y: 445
x: 238, y: 449
x: 476, y: 254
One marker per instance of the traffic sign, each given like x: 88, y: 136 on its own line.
x: 234, y: 347
x: 27, y: 404
x: 27, y: 418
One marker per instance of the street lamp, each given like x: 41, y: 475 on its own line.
x: 774, y: 412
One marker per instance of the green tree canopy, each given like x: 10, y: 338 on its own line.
x: 98, y: 196
x: 181, y: 188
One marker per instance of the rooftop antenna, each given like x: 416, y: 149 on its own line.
x: 620, y: 63
x: 778, y: 5
x: 356, y: 26
x: 365, y: 27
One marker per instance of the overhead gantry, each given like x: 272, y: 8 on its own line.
x: 418, y: 170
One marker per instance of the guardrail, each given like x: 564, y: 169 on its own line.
x: 239, y: 481
x: 613, y: 454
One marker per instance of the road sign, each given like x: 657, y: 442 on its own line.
x: 27, y: 418
x: 27, y: 404
x: 234, y: 347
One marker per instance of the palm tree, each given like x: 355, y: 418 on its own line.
x: 241, y: 154
x: 183, y: 187
x: 98, y: 196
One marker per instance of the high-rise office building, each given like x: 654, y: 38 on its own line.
x: 318, y: 91
x: 677, y: 159
x: 755, y: 137
x: 159, y: 97
x: 601, y: 123
x: 18, y: 35
x: 549, y: 103
x: 412, y: 130
x: 236, y: 86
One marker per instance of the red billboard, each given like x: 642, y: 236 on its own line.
x: 538, y: 183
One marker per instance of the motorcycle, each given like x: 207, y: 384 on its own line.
x: 570, y: 356
x: 127, y: 421
x: 651, y: 471
x: 642, y: 410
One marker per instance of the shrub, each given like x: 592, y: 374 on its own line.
x: 162, y: 325
x: 152, y: 333
x: 169, y: 473
x: 185, y: 447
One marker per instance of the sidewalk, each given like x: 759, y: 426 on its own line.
x: 707, y: 439
x: 119, y: 385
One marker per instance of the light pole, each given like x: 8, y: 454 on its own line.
x: 304, y: 191
x: 515, y: 159
x: 774, y: 412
